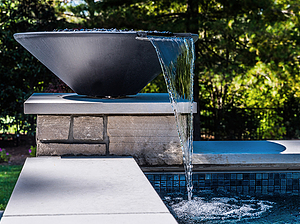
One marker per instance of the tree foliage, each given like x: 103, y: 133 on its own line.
x: 248, y: 58
x: 247, y: 54
x: 248, y: 51
x: 21, y: 73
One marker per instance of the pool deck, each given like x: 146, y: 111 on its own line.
x: 247, y: 155
x: 219, y: 156
x: 115, y: 190
x: 84, y: 190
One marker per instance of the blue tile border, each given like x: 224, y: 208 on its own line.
x: 247, y: 183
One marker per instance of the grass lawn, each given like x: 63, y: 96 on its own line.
x: 8, y: 178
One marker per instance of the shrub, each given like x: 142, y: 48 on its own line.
x: 4, y: 156
x: 32, y: 151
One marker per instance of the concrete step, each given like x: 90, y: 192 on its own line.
x: 84, y: 190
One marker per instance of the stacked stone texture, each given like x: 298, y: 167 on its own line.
x: 151, y: 140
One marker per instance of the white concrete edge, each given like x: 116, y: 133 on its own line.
x: 291, y: 146
x: 153, y: 108
x: 277, y: 152
x: 244, y: 159
x: 94, y: 219
x: 58, y: 104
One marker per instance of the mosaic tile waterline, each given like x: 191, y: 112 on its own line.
x: 246, y: 183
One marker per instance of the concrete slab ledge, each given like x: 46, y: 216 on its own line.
x: 72, y: 103
x: 84, y: 190
x: 271, y: 154
x: 220, y: 156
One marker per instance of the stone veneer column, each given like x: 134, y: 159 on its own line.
x: 142, y: 126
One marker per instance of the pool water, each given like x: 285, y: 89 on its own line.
x: 211, y: 207
x: 232, y: 197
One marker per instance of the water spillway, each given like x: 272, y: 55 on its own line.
x: 176, y: 56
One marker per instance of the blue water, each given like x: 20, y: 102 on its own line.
x: 232, y: 197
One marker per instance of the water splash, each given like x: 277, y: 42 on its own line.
x: 176, y: 56
x: 218, y: 209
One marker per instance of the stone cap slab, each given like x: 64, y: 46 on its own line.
x: 279, y: 154
x: 72, y: 103
x: 84, y: 190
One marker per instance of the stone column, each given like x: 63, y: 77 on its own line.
x: 141, y: 126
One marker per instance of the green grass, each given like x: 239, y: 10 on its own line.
x: 8, y: 178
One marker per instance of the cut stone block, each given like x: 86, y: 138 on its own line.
x: 144, y: 140
x: 151, y: 140
x: 150, y: 154
x: 59, y: 149
x: 88, y: 128
x: 53, y: 127
x: 142, y: 126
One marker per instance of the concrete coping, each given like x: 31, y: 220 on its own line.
x: 72, y: 103
x: 233, y: 156
x: 281, y: 154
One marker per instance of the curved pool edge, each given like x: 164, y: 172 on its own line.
x: 247, y: 155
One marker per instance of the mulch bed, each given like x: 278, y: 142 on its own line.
x: 18, y: 154
x: 17, y: 148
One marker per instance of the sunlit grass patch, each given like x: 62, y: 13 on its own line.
x: 8, y: 178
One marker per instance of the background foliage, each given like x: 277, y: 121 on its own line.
x: 21, y: 73
x: 247, y: 67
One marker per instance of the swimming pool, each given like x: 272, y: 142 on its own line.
x: 232, y: 197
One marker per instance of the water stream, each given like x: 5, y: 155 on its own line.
x: 176, y: 57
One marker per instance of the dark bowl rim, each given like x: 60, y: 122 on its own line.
x: 142, y: 34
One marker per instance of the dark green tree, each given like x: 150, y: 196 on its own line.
x: 21, y: 74
x: 247, y: 58
x: 247, y: 52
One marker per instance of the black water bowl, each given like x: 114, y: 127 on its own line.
x: 95, y: 63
